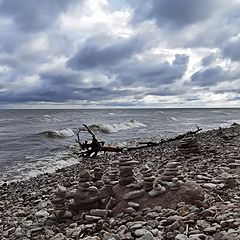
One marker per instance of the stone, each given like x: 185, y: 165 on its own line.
x: 91, y: 218
x: 210, y: 230
x: 133, y: 205
x: 157, y: 190
x: 42, y: 213
x: 134, y: 194
x: 181, y: 237
x: 59, y: 236
x: 209, y: 186
x: 147, y: 236
x: 18, y: 232
x: 141, y: 232
x: 91, y: 238
x: 99, y: 212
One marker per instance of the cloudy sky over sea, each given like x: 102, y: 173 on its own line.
x: 119, y: 53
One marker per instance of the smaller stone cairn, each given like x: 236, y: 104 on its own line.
x: 148, y: 179
x: 98, y: 173
x: 96, y: 215
x: 113, y: 175
x: 171, y: 176
x: 171, y: 171
x: 59, y: 202
x: 188, y: 145
x: 126, y: 164
x: 86, y: 192
x: 158, y: 189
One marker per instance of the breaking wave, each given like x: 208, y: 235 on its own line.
x: 37, y: 166
x: 61, y: 133
x: 108, y: 128
x: 173, y: 119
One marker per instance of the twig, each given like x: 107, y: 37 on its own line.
x: 221, y: 199
x: 186, y: 231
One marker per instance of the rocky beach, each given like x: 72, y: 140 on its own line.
x: 188, y: 188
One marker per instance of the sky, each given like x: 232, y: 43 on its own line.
x: 119, y: 53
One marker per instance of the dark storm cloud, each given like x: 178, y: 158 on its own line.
x: 208, y: 60
x: 173, y: 14
x: 61, y: 95
x: 31, y: 15
x: 152, y: 74
x: 95, y: 53
x: 231, y: 49
x: 212, y: 76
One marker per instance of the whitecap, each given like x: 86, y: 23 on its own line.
x: 108, y: 128
x: 62, y: 133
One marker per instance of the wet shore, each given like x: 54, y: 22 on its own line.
x: 208, y: 162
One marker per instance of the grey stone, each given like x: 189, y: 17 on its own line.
x: 134, y: 194
x: 181, y: 237
x: 147, y: 236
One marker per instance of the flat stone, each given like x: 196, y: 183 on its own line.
x: 42, y: 213
x: 141, y: 232
x: 133, y: 205
x: 59, y: 236
x: 172, y: 164
x: 181, y: 237
x: 134, y: 194
x: 149, y: 179
x: 157, y: 192
x: 99, y: 212
x: 136, y: 226
x: 210, y: 230
x: 147, y: 236
x: 209, y: 186
x: 91, y: 218
x: 61, y: 189
x: 128, y: 163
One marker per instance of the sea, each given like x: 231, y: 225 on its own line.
x: 34, y: 142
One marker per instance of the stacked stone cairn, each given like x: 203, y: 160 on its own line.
x: 59, y: 202
x: 98, y: 173
x: 86, y: 194
x: 171, y: 175
x: 113, y: 175
x: 158, y: 189
x: 96, y: 215
x: 148, y: 179
x: 126, y: 165
x: 188, y: 145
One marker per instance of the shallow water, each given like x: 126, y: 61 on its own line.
x: 38, y: 141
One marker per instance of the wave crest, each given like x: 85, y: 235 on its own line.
x: 62, y: 133
x: 108, y: 128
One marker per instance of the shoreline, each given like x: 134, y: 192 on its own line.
x: 215, y: 168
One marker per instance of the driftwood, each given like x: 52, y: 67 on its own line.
x: 153, y: 144
x: 93, y: 148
